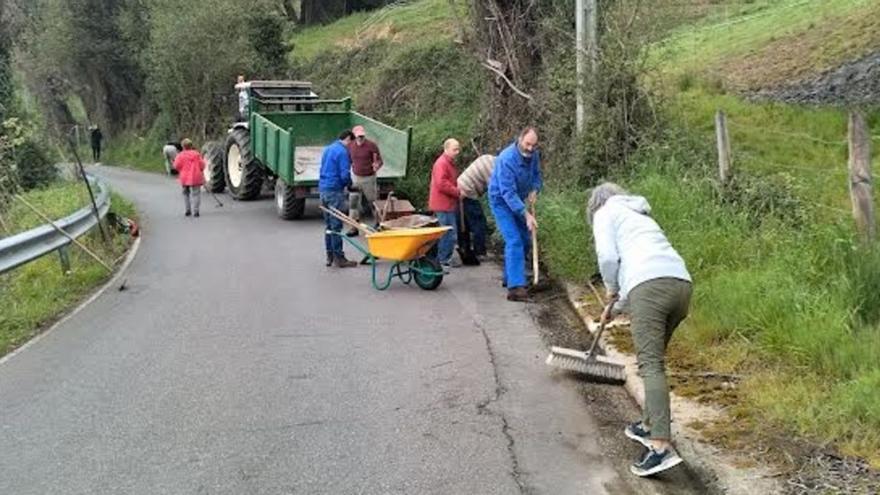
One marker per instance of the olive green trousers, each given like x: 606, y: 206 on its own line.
x: 656, y: 308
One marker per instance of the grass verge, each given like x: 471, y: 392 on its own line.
x: 135, y: 151
x: 35, y: 295
x: 398, y: 24
x: 56, y: 201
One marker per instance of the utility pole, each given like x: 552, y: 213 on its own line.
x: 586, y: 25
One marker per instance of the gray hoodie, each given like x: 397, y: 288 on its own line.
x: 631, y: 248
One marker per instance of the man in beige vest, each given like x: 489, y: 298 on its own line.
x: 473, y: 183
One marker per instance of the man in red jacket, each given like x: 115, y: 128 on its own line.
x: 190, y: 172
x: 443, y: 198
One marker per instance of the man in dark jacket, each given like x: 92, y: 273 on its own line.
x: 96, y: 138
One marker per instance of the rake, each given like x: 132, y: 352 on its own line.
x: 589, y: 363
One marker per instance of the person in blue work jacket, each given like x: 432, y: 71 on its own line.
x: 334, y: 178
x: 516, y: 181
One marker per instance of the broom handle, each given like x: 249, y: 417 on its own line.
x: 346, y: 219
x: 535, y: 273
x: 602, y: 322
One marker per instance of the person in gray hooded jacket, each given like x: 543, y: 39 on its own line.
x: 650, y: 281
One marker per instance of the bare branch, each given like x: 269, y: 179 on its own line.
x: 509, y: 83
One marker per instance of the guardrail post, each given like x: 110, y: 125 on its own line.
x: 64, y: 256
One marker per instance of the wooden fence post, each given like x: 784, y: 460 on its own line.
x: 861, y: 183
x: 723, y: 141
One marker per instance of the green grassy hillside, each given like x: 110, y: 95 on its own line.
x: 401, y: 65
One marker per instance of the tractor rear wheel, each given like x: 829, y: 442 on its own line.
x: 215, y: 181
x: 244, y: 173
x: 288, y: 206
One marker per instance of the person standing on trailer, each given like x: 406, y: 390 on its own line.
x: 366, y: 160
x: 516, y: 179
x: 473, y: 183
x: 335, y: 177
x: 190, y: 172
x: 650, y: 281
x: 244, y: 98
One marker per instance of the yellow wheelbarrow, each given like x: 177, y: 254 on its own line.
x: 407, y: 249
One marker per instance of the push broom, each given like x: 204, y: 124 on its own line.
x: 590, y: 363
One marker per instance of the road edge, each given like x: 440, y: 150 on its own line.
x: 718, y: 471
x: 129, y: 258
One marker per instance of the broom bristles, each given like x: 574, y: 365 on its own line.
x: 579, y: 362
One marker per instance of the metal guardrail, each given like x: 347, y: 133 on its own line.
x: 27, y: 246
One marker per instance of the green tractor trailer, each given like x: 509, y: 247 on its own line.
x: 280, y: 141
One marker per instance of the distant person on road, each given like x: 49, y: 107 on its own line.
x: 335, y: 176
x: 649, y: 280
x: 473, y: 183
x: 516, y: 180
x: 96, y: 137
x: 190, y: 168
x: 443, y: 199
x: 366, y: 160
x: 244, y: 98
x: 170, y: 151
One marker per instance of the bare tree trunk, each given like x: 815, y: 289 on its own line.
x: 506, y: 35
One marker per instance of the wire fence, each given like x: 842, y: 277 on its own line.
x: 831, y: 172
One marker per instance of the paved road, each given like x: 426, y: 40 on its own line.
x: 236, y: 363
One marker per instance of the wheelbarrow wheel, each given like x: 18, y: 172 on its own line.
x: 427, y: 273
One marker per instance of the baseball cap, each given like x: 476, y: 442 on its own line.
x: 358, y: 131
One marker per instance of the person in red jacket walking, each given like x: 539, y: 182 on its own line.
x: 190, y: 172
x: 443, y: 198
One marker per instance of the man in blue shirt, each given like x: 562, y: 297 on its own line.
x: 335, y: 177
x: 516, y: 180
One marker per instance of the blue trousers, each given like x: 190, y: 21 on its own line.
x: 332, y: 242
x: 446, y: 246
x: 517, y: 241
x: 475, y: 220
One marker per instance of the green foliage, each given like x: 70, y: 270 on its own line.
x: 620, y: 113
x: 6, y: 81
x: 24, y: 164
x: 266, y: 35
x: 195, y: 55
x: 35, y: 169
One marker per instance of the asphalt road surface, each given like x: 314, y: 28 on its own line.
x: 236, y: 363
